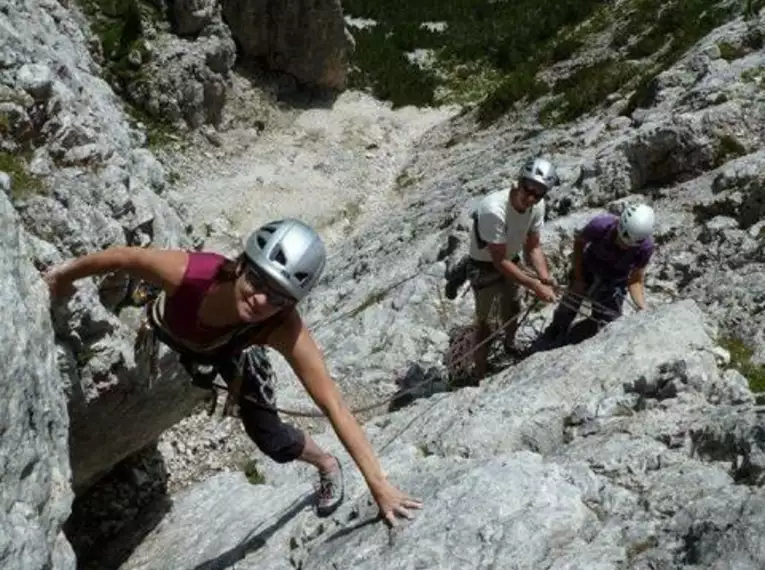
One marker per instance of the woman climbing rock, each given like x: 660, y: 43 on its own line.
x: 212, y: 309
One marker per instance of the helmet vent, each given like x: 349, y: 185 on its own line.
x: 301, y: 277
x: 261, y: 241
x: 280, y: 257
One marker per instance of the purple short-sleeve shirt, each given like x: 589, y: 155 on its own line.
x: 604, y: 257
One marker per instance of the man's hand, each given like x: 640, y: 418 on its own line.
x: 549, y: 281
x: 544, y: 292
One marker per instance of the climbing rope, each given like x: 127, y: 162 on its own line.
x: 576, y: 307
x: 397, y: 395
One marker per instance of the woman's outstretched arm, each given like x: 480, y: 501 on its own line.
x: 163, y: 268
x: 297, y: 345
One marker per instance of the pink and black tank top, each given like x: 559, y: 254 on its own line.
x: 181, y: 309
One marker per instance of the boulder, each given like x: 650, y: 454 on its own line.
x: 36, y: 496
x: 306, y: 39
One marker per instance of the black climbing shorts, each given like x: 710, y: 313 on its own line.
x: 282, y: 442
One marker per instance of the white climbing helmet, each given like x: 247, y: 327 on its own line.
x: 540, y: 171
x: 636, y: 223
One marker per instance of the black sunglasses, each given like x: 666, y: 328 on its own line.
x: 261, y: 283
x: 533, y: 189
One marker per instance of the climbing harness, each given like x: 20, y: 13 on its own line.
x: 232, y: 357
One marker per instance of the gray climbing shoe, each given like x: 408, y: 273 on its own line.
x: 331, y: 491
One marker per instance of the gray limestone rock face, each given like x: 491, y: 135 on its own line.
x: 184, y: 82
x: 191, y: 16
x: 306, y: 39
x: 97, y: 189
x: 635, y: 448
x: 34, y: 452
x: 556, y: 463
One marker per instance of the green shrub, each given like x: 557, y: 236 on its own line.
x: 519, y: 84
x: 381, y: 64
x: 752, y: 8
x: 253, y: 474
x: 23, y: 184
x: 741, y: 360
x: 585, y: 89
x: 754, y: 38
x: 646, y: 46
x: 644, y: 93
x: 727, y: 149
x: 563, y: 49
x: 754, y: 75
x: 681, y: 23
x: 729, y: 52
x: 158, y: 131
x: 509, y: 37
x: 678, y: 25
x: 121, y: 26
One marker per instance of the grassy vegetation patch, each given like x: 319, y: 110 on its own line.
x: 520, y: 83
x: 754, y: 37
x: 741, y: 360
x: 728, y: 148
x: 729, y: 52
x: 463, y: 83
x: 475, y: 44
x: 585, y: 89
x: 158, y: 132
x: 754, y: 75
x: 380, y: 62
x: 752, y: 7
x: 121, y: 26
x: 665, y: 31
x: 679, y: 22
x: 253, y: 474
x: 23, y: 183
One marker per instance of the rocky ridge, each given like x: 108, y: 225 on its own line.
x: 36, y: 496
x: 378, y: 327
x: 614, y: 453
x: 677, y: 153
x: 692, y: 152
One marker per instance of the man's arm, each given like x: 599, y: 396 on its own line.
x: 508, y: 268
x: 636, y: 287
x: 536, y: 256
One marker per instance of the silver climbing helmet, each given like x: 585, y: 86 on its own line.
x: 540, y: 171
x: 290, y: 252
x: 636, y: 223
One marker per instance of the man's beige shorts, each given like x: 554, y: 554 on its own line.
x: 503, y: 291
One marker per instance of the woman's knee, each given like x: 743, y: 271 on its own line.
x: 285, y: 453
x: 280, y: 441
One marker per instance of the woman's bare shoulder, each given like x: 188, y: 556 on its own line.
x: 163, y: 267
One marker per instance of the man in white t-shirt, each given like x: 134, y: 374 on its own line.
x: 508, y: 223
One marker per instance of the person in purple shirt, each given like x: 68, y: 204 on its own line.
x: 611, y: 254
